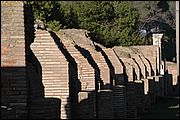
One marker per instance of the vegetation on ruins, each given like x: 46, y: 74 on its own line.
x: 120, y: 23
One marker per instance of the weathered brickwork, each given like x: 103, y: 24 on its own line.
x: 86, y: 73
x: 12, y: 34
x: 64, y: 75
x: 129, y: 68
x: 118, y: 67
x: 105, y: 98
x: 141, y: 65
x: 147, y: 65
x: 172, y: 82
x: 13, y: 64
x: 55, y: 70
x: 101, y: 63
x: 45, y: 108
x: 119, y: 102
x: 131, y: 103
x: 125, y: 56
x: 150, y: 52
x: 172, y: 69
x: 139, y: 58
x: 139, y: 86
x: 86, y: 105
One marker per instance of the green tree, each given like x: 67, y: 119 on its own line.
x: 69, y: 15
x: 159, y: 14
x: 125, y: 23
x: 110, y: 22
x: 49, y: 12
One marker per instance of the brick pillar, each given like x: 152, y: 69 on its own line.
x: 150, y: 53
x: 146, y: 94
x: 130, y: 69
x: 139, y: 85
x: 56, y: 69
x: 157, y: 41
x: 148, y: 66
x: 88, y: 75
x: 118, y: 67
x: 13, y: 64
x: 119, y: 102
x: 105, y: 104
x: 103, y: 67
x: 141, y: 65
x: 131, y: 100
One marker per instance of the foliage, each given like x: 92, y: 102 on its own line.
x: 49, y: 12
x: 109, y: 22
x: 159, y: 14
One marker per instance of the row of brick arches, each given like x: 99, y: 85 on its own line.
x: 65, y: 75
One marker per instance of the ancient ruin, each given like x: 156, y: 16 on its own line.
x: 64, y: 75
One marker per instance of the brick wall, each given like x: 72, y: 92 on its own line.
x: 172, y: 69
x: 71, y: 77
x: 12, y: 34
x: 86, y: 54
x: 124, y: 53
x: 171, y: 78
x: 102, y: 65
x: 55, y: 70
x: 131, y: 103
x: 159, y: 85
x: 141, y: 65
x: 136, y: 67
x: 119, y: 102
x: 86, y: 73
x: 13, y: 65
x: 87, y: 105
x: 139, y: 85
x: 45, y: 108
x: 147, y: 65
x: 151, y: 53
x: 105, y: 104
x: 118, y: 67
x: 86, y: 76
x: 129, y: 68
